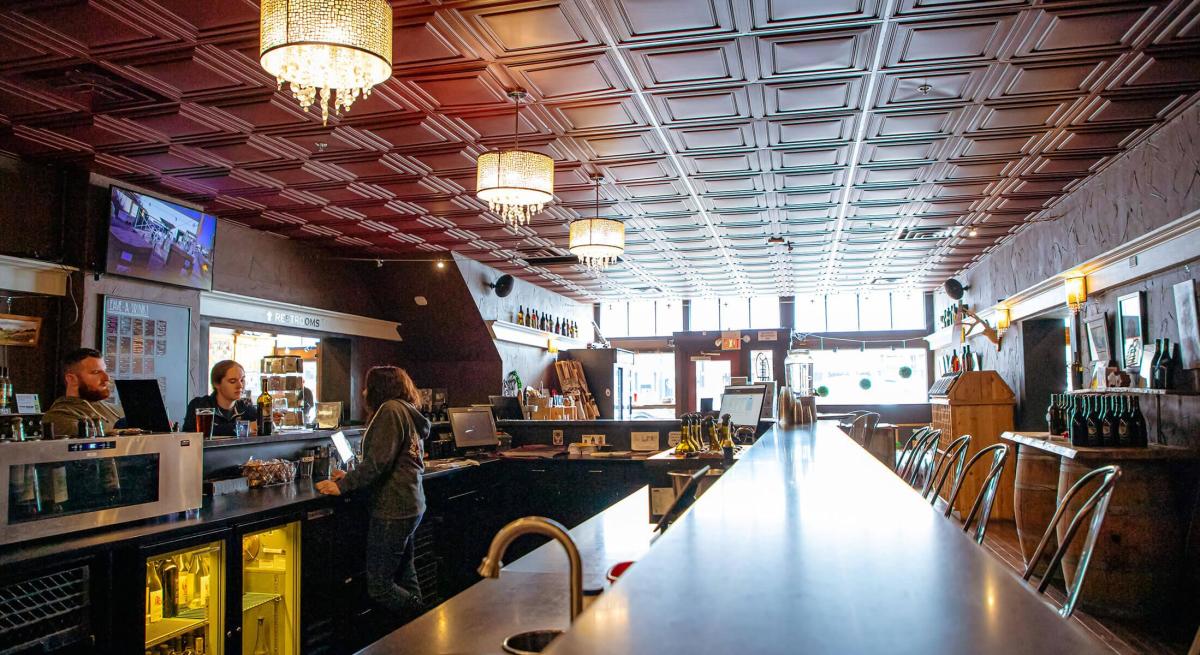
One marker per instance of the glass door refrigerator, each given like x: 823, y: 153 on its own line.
x: 270, y: 589
x: 184, y: 597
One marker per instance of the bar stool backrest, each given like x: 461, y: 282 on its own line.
x: 863, y: 427
x: 953, y: 458
x: 922, y: 459
x: 981, y: 509
x: 1096, y: 506
x: 907, y: 451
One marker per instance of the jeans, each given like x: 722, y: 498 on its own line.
x: 391, y: 572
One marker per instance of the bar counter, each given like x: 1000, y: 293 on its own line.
x: 807, y: 545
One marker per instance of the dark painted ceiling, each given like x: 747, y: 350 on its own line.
x: 887, y: 143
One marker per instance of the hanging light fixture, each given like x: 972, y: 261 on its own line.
x: 515, y: 183
x: 597, y: 241
x: 329, y: 52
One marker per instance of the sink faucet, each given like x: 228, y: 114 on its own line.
x: 490, y: 568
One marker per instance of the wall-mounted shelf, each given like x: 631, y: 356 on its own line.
x: 943, y: 337
x: 513, y: 333
x: 1136, y: 390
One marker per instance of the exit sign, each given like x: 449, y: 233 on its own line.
x: 731, y: 343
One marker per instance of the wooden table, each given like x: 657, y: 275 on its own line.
x: 1138, y: 558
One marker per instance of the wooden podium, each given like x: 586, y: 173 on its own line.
x: 980, y: 404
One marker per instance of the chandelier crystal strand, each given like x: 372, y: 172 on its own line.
x: 328, y: 52
x: 516, y: 184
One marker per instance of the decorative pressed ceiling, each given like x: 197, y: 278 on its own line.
x: 516, y: 184
x: 841, y: 129
x: 329, y: 52
x: 598, y: 242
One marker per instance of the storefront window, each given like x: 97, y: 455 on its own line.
x: 874, y: 312
x: 842, y: 313
x: 868, y: 312
x: 735, y: 313
x: 875, y: 376
x: 908, y: 311
x: 705, y: 314
x: 614, y: 319
x: 641, y: 319
x: 764, y: 312
x: 810, y: 313
x: 669, y: 314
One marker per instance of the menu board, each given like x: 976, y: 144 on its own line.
x: 148, y: 341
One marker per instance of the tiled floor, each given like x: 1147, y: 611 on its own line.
x: 1124, y: 637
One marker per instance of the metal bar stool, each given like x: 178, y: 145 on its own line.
x: 1096, y: 506
x: 955, y: 456
x: 907, y: 451
x: 863, y: 427
x: 921, y: 460
x: 981, y: 509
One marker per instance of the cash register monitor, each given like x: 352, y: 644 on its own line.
x: 344, y: 450
x: 743, y: 407
x: 142, y: 402
x: 506, y: 408
x: 473, y: 427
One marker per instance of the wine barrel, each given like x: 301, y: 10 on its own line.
x: 1035, y: 495
x: 1136, y: 562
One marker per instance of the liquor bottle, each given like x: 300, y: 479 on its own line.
x: 26, y: 478
x: 954, y: 363
x: 727, y: 447
x: 694, y: 434
x: 183, y: 586
x: 685, y: 435
x: 1139, y: 436
x: 1175, y: 368
x: 520, y: 315
x: 1052, y: 415
x: 557, y: 326
x: 155, y: 593
x: 1078, y: 422
x: 968, y: 359
x: 1162, y: 359
x: 60, y: 494
x: 1092, y: 419
x: 265, y: 424
x: 170, y: 584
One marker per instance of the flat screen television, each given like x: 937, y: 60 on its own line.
x: 157, y: 240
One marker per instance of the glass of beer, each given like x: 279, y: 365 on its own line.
x: 204, y: 421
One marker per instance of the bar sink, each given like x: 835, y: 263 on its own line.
x: 526, y: 643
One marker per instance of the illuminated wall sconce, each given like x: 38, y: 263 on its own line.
x: 1076, y: 287
x: 1003, y: 320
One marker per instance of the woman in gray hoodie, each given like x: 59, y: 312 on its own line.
x: 390, y: 472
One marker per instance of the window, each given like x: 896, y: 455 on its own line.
x: 654, y: 385
x: 846, y: 372
x: 248, y: 348
x: 705, y: 314
x: 810, y: 313
x: 614, y: 319
x: 641, y: 319
x: 735, y: 313
x: 874, y: 312
x: 764, y: 312
x: 712, y: 376
x: 842, y: 313
x: 908, y: 311
x: 669, y: 315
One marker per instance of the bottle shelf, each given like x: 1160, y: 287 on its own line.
x: 251, y: 600
x: 168, y: 629
x: 514, y: 333
x: 1134, y: 391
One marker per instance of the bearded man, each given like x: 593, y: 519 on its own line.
x: 87, y: 388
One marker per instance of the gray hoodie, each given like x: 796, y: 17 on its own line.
x: 392, y: 463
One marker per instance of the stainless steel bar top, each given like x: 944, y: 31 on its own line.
x: 810, y: 545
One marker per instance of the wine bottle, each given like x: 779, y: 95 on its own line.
x: 154, y: 585
x: 205, y: 580
x: 685, y: 435
x: 183, y: 586
x: 1139, y: 435
x: 1123, y: 423
x: 714, y: 434
x: 265, y: 423
x: 1107, y: 435
x: 1175, y: 368
x: 520, y: 315
x: 1162, y: 357
x: 1051, y: 417
x: 954, y: 363
x: 170, y: 582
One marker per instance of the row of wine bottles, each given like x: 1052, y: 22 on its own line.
x: 968, y: 361
x: 546, y: 322
x: 950, y: 314
x: 1098, y: 420
x: 188, y: 644
x: 175, y: 584
x: 1166, y: 368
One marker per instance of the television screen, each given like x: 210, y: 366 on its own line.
x: 158, y: 240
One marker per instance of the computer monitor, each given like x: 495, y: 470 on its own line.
x: 473, y: 427
x: 506, y: 408
x: 743, y: 407
x: 142, y: 402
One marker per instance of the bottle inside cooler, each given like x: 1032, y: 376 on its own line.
x: 183, y: 602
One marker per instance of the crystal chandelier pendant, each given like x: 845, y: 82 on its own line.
x: 516, y: 184
x: 597, y: 242
x: 328, y: 52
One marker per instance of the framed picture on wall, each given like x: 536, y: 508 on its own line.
x: 18, y: 330
x: 1131, y: 328
x: 1185, y: 317
x: 1098, y: 345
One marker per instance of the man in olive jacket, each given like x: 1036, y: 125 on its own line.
x: 87, y: 388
